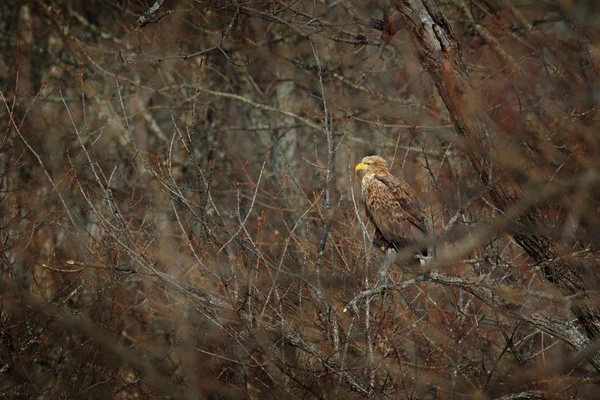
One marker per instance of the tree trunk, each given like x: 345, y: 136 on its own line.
x: 440, y: 55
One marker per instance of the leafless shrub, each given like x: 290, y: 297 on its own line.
x: 179, y: 216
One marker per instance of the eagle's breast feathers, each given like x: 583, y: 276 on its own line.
x: 391, y: 205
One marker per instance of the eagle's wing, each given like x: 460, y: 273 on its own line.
x: 395, y: 211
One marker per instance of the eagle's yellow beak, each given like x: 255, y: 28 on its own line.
x: 360, y: 167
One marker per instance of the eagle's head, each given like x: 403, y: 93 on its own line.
x: 372, y: 165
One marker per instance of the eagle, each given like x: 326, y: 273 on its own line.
x: 392, y: 206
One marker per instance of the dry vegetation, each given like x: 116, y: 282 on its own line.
x: 179, y: 216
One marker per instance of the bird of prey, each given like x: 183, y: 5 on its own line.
x: 392, y: 206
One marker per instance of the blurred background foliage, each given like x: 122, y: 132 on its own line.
x: 179, y: 215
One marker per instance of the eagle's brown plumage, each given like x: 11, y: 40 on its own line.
x: 391, y: 205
